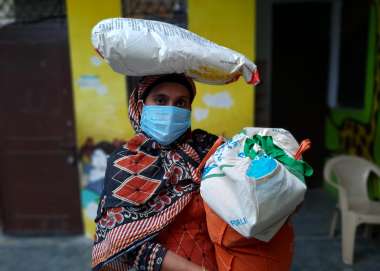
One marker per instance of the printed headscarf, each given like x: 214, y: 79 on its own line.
x: 144, y: 87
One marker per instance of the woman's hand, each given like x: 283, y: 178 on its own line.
x: 174, y: 262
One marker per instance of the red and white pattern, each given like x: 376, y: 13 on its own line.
x: 137, y: 190
x: 124, y: 235
x: 191, y: 152
x: 135, y: 164
x: 114, y: 216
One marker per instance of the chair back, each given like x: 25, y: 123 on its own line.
x: 351, y: 173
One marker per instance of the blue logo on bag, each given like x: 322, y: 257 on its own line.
x: 261, y: 167
x: 234, y: 142
x: 218, y: 153
x: 208, y: 169
x: 239, y: 222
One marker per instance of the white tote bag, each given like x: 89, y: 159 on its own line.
x: 255, y: 197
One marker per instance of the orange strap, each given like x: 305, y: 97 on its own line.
x: 217, y: 143
x: 304, y: 146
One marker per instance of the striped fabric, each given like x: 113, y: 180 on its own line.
x: 121, y: 237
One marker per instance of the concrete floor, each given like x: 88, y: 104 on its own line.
x: 45, y: 254
x: 314, y: 250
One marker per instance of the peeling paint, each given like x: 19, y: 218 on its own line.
x: 92, y: 82
x: 200, y: 114
x: 96, y: 61
x: 218, y: 100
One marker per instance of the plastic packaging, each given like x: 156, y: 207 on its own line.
x: 138, y: 47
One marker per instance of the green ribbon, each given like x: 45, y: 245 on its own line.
x: 298, y: 167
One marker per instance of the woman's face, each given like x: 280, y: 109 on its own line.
x: 169, y: 94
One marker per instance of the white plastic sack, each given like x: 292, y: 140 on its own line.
x: 139, y: 47
x: 253, y: 207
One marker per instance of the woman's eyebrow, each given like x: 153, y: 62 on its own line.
x: 183, y: 97
x: 160, y: 95
x: 164, y: 95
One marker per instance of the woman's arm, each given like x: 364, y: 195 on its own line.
x: 174, y: 262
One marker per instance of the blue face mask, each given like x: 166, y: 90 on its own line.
x: 165, y: 124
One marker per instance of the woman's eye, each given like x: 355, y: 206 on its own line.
x: 160, y: 101
x: 181, y: 103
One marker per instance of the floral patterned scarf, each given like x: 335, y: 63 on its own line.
x: 146, y: 185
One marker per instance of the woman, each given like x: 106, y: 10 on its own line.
x: 151, y: 216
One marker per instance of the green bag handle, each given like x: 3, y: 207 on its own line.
x: 298, y: 167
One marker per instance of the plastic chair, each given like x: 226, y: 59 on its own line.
x: 352, y: 174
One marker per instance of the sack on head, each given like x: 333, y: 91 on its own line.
x: 138, y: 47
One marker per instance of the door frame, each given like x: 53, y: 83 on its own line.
x: 264, y: 17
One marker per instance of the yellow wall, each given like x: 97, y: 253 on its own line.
x: 99, y: 93
x: 231, y: 24
x: 100, y: 100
